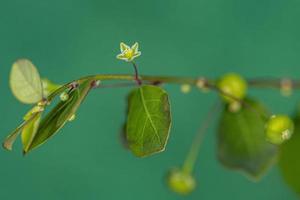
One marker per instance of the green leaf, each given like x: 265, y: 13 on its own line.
x: 11, y: 138
x: 29, y: 131
x: 149, y: 120
x: 25, y: 82
x: 289, y: 162
x: 241, y: 140
x: 49, y: 87
x: 59, y: 115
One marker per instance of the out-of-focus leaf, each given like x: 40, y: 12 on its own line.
x: 241, y: 141
x: 59, y: 115
x: 289, y: 161
x: 25, y: 82
x: 149, y: 120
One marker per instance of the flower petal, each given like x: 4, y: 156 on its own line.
x: 135, y: 47
x: 124, y: 46
x: 122, y: 57
x: 137, y: 54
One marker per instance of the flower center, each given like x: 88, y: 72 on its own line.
x: 128, y: 53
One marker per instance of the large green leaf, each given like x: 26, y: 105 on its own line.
x: 241, y: 140
x: 289, y: 161
x: 149, y: 120
x: 25, y: 82
x: 59, y: 115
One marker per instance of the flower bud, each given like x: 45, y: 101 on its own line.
x: 185, y: 88
x: 73, y: 117
x: 181, y: 182
x: 64, y: 96
x: 279, y: 128
x: 232, y: 85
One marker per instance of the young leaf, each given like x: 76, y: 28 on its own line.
x: 149, y: 120
x: 289, y: 162
x: 59, y: 115
x: 25, y: 82
x: 29, y: 131
x: 241, y: 141
x: 49, y: 87
x: 11, y: 138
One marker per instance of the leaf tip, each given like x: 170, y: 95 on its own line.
x: 7, y: 146
x: 24, y: 152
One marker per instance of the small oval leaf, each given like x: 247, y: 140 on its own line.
x: 241, y: 141
x: 149, y: 120
x: 25, y: 82
x: 289, y: 162
x: 60, y: 114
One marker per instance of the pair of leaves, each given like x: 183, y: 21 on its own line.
x: 60, y: 114
x: 36, y: 131
x: 241, y: 140
x: 289, y: 161
x: 28, y: 88
x: 148, y: 121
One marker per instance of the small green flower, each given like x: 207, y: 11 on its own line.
x: 128, y: 53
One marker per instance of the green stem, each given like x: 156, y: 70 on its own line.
x: 255, y: 83
x: 136, y: 74
x: 242, y: 102
x: 192, y: 156
x: 209, y: 83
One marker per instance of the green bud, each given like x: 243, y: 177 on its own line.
x: 64, y: 96
x: 181, y: 182
x: 72, y: 118
x: 279, y: 128
x: 233, y: 85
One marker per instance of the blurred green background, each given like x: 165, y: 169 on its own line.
x: 67, y: 39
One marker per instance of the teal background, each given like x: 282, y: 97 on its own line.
x: 68, y: 39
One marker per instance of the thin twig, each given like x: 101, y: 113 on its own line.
x: 191, y: 158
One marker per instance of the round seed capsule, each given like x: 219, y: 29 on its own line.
x: 279, y: 128
x: 233, y: 86
x: 180, y: 182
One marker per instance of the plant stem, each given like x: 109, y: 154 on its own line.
x: 192, y: 156
x: 255, y: 83
x: 209, y: 83
x: 242, y: 102
x: 136, y: 73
